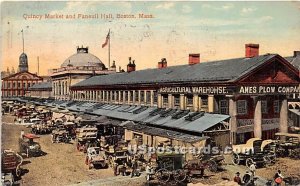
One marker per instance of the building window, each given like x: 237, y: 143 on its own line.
x: 131, y: 96
x: 136, y: 98
x: 223, y: 106
x: 8, y: 85
x: 165, y: 101
x: 264, y: 107
x: 204, y: 102
x: 189, y: 100
x: 242, y: 107
x: 148, y: 95
x: 142, y: 96
x: 176, y: 100
x: 276, y: 106
x: 154, y: 97
x: 126, y: 96
x: 121, y: 93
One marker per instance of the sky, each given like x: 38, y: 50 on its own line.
x: 216, y: 30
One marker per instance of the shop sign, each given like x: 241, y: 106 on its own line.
x: 229, y: 90
x: 197, y: 90
x: 269, y: 89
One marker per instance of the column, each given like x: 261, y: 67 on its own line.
x: 159, y: 100
x: 196, y: 103
x: 211, y: 103
x: 283, y: 120
x: 145, y: 97
x: 111, y: 96
x: 133, y: 97
x: 128, y: 95
x: 200, y: 103
x: 124, y: 97
x: 116, y: 97
x: 139, y: 94
x: 170, y: 100
x: 182, y: 102
x: 120, y: 95
x: 257, y: 117
x: 151, y: 98
x: 97, y: 95
x: 107, y: 96
x: 233, y: 120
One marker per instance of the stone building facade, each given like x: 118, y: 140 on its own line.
x: 253, y: 90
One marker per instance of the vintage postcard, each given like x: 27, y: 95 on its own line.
x: 150, y: 93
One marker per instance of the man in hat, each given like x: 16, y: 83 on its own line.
x: 253, y: 168
x: 237, y: 178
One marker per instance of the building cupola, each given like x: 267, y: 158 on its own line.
x: 82, y: 49
x: 23, y: 63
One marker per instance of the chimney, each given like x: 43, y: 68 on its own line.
x: 163, y: 63
x: 194, y: 59
x: 252, y: 50
x: 296, y: 53
x: 130, y: 66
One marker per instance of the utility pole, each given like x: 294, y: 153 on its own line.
x: 38, y: 65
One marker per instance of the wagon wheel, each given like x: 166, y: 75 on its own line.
x: 249, y: 162
x: 236, y: 159
x: 179, y: 175
x: 18, y: 172
x: 212, y: 166
x: 163, y: 175
x: 269, y: 159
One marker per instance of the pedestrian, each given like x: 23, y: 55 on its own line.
x: 149, y: 171
x: 22, y: 134
x: 253, y: 168
x: 134, y: 168
x: 237, y: 178
x: 115, y: 168
x: 278, y: 178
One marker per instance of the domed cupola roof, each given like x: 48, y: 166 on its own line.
x: 82, y: 58
x: 23, y: 63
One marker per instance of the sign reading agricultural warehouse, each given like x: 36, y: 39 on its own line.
x: 231, y: 90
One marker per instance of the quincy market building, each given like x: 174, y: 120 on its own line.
x: 253, y: 90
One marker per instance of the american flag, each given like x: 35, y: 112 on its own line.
x: 106, y: 41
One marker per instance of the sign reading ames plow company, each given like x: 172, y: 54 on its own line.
x: 232, y: 90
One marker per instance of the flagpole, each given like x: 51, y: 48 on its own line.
x: 23, y: 39
x: 109, y: 49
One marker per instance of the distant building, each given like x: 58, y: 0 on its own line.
x: 17, y: 84
x: 41, y: 90
x: 75, y: 69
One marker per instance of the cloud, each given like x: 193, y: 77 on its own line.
x: 246, y: 11
x: 264, y: 19
x: 165, y: 6
x: 186, y: 9
x: 223, y: 7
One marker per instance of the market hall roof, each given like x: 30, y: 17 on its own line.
x: 294, y: 60
x: 41, y: 86
x: 218, y: 71
x: 82, y: 58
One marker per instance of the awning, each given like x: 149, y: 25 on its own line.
x: 295, y: 111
